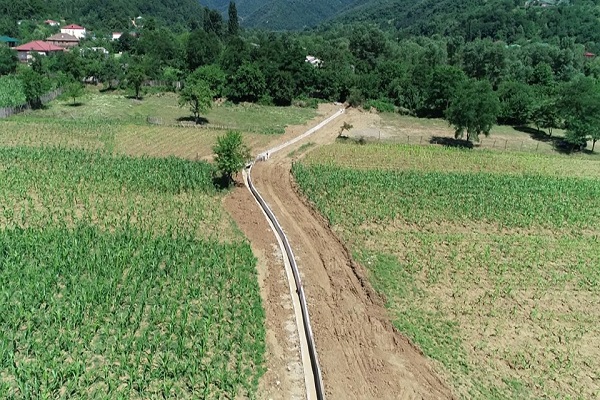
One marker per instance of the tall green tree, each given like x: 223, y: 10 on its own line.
x: 516, y: 102
x: 580, y: 105
x: 135, y: 78
x: 8, y: 61
x: 233, y: 24
x: 247, y: 84
x: 231, y: 154
x: 74, y: 90
x: 196, y: 94
x: 473, y: 109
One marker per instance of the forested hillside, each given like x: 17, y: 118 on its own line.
x: 283, y: 14
x: 96, y: 14
x: 508, y: 20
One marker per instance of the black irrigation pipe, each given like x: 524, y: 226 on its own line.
x: 312, y: 350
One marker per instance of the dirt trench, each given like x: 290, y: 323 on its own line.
x: 362, y: 355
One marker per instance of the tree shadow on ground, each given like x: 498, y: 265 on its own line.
x: 451, y: 142
x: 132, y: 97
x: 558, y: 143
x: 200, y: 121
x: 77, y: 104
x: 220, y: 182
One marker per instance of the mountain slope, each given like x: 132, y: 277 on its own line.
x: 283, y: 14
x: 97, y: 14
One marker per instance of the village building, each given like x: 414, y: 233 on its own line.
x: 27, y: 50
x: 8, y: 41
x: 63, y: 40
x: 116, y: 35
x: 74, y: 30
x: 51, y: 22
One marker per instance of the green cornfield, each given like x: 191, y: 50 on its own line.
x: 489, y: 262
x: 122, y: 278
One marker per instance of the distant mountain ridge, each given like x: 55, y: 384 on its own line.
x: 283, y: 14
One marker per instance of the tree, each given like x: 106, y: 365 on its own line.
x: 248, y: 84
x: 231, y: 154
x: 203, y: 48
x: 135, y: 77
x: 8, y: 61
x: 580, y: 105
x: 444, y: 81
x: 197, y: 95
x: 516, y: 102
x: 473, y: 109
x: 74, y: 90
x: 34, y: 86
x: 233, y: 24
x: 214, y: 76
x: 546, y: 115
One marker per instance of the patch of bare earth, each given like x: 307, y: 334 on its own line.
x: 362, y: 355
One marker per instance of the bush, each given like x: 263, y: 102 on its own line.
x: 380, y: 106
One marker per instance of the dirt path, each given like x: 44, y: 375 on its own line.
x: 362, y: 356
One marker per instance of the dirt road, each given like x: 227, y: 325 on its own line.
x: 362, y: 355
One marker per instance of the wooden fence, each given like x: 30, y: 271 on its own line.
x: 8, y: 111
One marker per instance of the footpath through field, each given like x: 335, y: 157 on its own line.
x: 362, y: 355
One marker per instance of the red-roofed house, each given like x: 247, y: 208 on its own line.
x: 587, y: 54
x: 74, y: 30
x: 39, y: 46
x: 51, y: 22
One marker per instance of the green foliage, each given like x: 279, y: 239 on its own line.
x: 231, y: 154
x: 136, y: 75
x: 248, y: 83
x: 233, y: 24
x: 8, y: 60
x: 203, y: 48
x: 473, y: 109
x: 580, y: 106
x: 11, y: 91
x: 102, y: 265
x: 196, y: 94
x: 214, y: 76
x: 516, y: 102
x: 379, y: 105
x: 74, y: 90
x: 34, y: 86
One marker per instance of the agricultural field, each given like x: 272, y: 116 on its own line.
x: 401, y: 129
x: 117, y: 124
x: 122, y: 277
x: 488, y: 260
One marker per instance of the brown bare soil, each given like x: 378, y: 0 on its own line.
x: 361, y: 354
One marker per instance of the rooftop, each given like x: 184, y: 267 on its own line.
x: 38, y: 45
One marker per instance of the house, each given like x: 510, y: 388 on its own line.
x: 8, y: 41
x: 27, y: 50
x: 587, y: 54
x: 51, y: 22
x: 63, y: 40
x: 116, y: 35
x: 74, y: 30
x: 314, y: 61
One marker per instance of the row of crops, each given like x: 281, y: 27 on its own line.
x: 11, y: 91
x: 492, y: 271
x: 122, y: 278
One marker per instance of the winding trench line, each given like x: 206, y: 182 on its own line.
x: 312, y: 371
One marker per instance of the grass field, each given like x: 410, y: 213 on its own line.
x: 488, y: 260
x: 118, y: 124
x: 399, y: 129
x: 122, y: 278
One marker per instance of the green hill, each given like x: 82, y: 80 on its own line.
x: 98, y: 14
x: 283, y: 14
